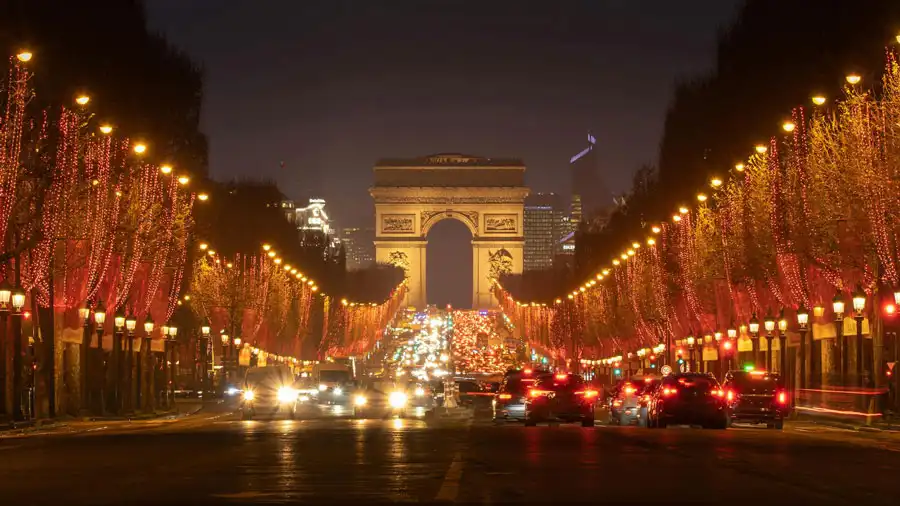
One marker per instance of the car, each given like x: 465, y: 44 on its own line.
x: 508, y: 403
x: 380, y: 398
x: 625, y: 403
x: 756, y: 397
x: 563, y: 397
x: 688, y: 399
x: 269, y: 392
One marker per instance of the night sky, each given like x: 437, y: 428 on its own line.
x: 330, y: 86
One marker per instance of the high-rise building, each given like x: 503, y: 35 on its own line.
x: 587, y: 183
x: 359, y: 247
x: 543, y: 230
x: 313, y: 219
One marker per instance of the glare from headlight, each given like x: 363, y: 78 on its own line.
x: 337, y: 391
x: 397, y: 399
x: 249, y: 395
x: 323, y: 387
x: 287, y: 394
x: 420, y: 392
x: 304, y: 398
x: 360, y: 400
x: 232, y: 391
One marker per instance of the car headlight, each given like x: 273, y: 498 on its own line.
x: 287, y: 394
x: 323, y: 387
x: 337, y: 391
x: 249, y: 395
x: 397, y: 399
x: 420, y: 392
x: 304, y: 398
x: 360, y: 400
x: 232, y: 391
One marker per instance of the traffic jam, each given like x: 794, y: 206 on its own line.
x: 745, y: 397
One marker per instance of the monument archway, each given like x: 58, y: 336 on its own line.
x: 486, y: 194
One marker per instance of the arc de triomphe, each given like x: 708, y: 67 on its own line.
x: 486, y: 194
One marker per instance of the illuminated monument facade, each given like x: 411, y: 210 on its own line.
x: 486, y: 194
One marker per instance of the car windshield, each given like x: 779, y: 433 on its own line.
x: 518, y: 385
x: 561, y: 383
x: 696, y: 382
x: 755, y: 383
x: 273, y: 377
x: 334, y: 376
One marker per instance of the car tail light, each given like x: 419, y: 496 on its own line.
x: 782, y: 397
x: 669, y: 391
x: 719, y: 392
x: 646, y: 397
x: 527, y: 371
x: 537, y: 393
x: 588, y: 394
x: 505, y: 396
x: 562, y: 376
x: 729, y: 395
x: 630, y: 390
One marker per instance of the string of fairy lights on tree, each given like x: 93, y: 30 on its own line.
x: 812, y: 210
x: 95, y: 218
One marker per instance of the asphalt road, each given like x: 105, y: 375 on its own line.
x: 212, y: 457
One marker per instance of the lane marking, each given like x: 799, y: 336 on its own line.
x: 450, y: 486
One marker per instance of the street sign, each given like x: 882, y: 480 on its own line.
x: 666, y: 370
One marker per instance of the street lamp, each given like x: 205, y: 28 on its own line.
x: 769, y: 323
x: 237, y: 341
x: 690, y: 342
x: 754, y: 334
x: 6, y: 294
x: 803, y: 322
x: 837, y: 304
x: 18, y: 300
x: 130, y: 325
x: 859, y: 306
x: 148, y: 325
x: 205, y: 329
x: 84, y: 312
x: 782, y: 343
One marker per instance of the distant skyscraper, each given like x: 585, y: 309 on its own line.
x: 586, y: 181
x: 570, y: 221
x: 359, y: 247
x: 313, y: 218
x: 543, y: 230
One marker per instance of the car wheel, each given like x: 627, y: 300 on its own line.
x: 588, y: 422
x: 779, y: 425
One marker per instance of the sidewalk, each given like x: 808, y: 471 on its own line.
x: 875, y: 425
x: 183, y: 408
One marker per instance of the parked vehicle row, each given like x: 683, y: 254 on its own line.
x: 699, y: 399
x: 691, y: 398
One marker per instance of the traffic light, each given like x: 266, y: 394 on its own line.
x: 652, y: 361
x: 679, y: 354
x: 728, y: 347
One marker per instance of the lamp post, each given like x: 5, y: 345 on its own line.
x: 173, y: 369
x: 730, y: 346
x: 205, y: 329
x: 130, y: 325
x: 837, y: 304
x: 754, y: 335
x: 236, y: 357
x: 859, y: 306
x: 690, y: 342
x: 769, y: 323
x: 118, y: 376
x: 147, y: 377
x: 99, y: 320
x: 803, y: 322
x: 225, y: 353
x: 5, y: 307
x: 782, y: 344
x: 717, y: 336
x: 84, y: 313
x: 18, y: 302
